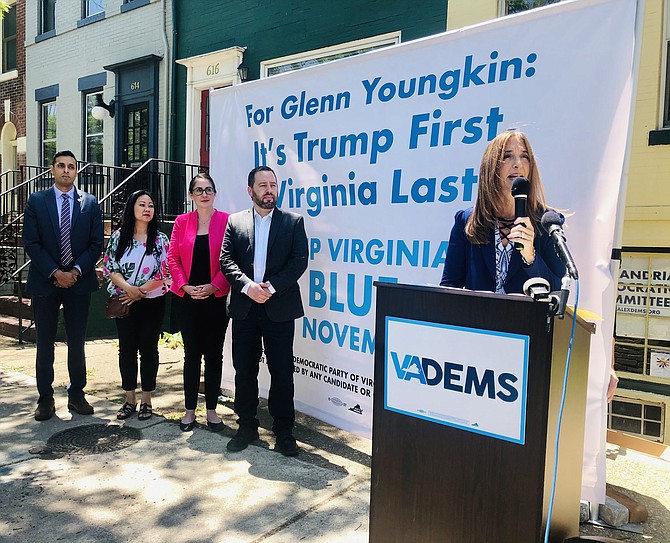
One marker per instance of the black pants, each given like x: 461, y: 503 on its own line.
x: 139, y: 333
x: 203, y: 325
x: 277, y: 341
x: 75, y: 315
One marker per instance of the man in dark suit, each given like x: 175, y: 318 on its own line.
x: 63, y: 236
x: 264, y: 253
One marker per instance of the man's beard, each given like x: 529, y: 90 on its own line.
x: 265, y: 204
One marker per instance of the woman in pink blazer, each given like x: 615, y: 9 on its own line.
x: 201, y: 291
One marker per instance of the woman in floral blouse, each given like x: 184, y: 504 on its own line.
x: 136, y: 265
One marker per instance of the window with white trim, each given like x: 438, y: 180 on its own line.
x: 9, y: 40
x: 47, y: 132
x: 641, y: 340
x: 93, y: 7
x: 326, y: 54
x: 47, y: 16
x: 637, y: 417
x: 93, y: 131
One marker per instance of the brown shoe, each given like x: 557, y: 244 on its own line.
x: 45, y: 409
x: 80, y: 406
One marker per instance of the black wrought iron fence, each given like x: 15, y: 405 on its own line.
x: 166, y: 181
x: 8, y: 180
x: 102, y: 181
x: 12, y: 201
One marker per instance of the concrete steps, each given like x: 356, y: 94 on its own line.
x: 10, y: 309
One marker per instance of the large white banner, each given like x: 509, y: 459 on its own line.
x: 379, y: 151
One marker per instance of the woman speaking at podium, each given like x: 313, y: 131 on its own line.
x: 481, y: 253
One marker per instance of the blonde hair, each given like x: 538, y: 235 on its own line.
x: 491, y: 189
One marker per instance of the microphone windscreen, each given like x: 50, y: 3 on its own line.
x: 549, y: 219
x: 520, y: 187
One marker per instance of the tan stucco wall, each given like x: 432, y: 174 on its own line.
x: 462, y: 13
x: 647, y: 214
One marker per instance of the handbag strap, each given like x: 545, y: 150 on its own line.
x: 139, y: 267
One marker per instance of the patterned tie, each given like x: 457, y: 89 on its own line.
x: 65, y: 242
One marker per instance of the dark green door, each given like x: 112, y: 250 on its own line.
x: 135, y: 134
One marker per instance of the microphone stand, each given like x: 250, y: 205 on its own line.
x: 558, y: 300
x: 538, y: 289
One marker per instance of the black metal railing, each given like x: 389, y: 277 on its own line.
x: 8, y: 210
x: 102, y: 181
x: 8, y: 180
x: 96, y: 179
x: 167, y: 182
x: 12, y: 201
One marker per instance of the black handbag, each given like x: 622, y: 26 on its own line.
x: 114, y: 308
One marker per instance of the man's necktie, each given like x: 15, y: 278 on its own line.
x: 65, y: 242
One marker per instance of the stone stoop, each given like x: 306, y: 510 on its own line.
x: 9, y: 317
x: 620, y: 509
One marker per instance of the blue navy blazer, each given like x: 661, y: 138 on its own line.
x: 473, y: 266
x: 41, y: 238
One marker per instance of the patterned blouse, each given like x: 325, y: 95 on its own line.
x: 503, y: 256
x: 154, y: 265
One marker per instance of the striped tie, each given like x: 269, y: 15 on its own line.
x: 65, y: 242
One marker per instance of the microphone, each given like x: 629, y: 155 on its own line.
x: 537, y: 288
x: 551, y: 222
x: 520, y: 191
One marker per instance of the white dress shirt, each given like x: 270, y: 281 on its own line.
x: 261, y: 237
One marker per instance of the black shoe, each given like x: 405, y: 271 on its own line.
x: 127, y: 409
x: 145, y: 412
x: 286, y: 445
x: 241, y: 440
x: 80, y: 406
x: 45, y: 409
x: 187, y: 426
x: 216, y: 426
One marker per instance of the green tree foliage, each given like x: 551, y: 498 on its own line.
x: 4, y: 7
x: 515, y: 6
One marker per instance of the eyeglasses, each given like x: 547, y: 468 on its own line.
x: 198, y: 191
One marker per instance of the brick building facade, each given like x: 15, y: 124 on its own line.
x: 12, y: 90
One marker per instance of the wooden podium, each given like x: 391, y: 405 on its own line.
x: 435, y: 481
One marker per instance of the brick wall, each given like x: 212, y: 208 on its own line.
x: 14, y: 89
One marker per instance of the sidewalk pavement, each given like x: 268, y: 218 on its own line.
x: 174, y: 487
x: 169, y: 486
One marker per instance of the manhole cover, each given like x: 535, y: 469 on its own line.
x: 93, y: 439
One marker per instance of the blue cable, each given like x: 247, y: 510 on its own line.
x: 560, y: 415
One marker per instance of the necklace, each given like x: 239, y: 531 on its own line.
x: 206, y: 221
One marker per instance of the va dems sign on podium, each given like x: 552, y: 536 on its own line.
x: 380, y: 150
x: 444, y: 373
